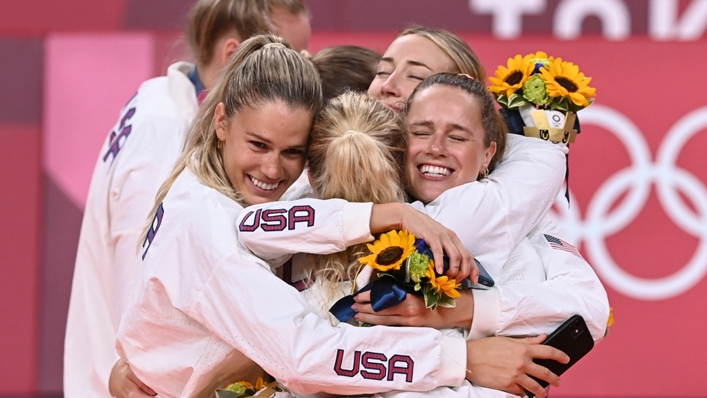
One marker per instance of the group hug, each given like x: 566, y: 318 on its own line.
x: 234, y: 201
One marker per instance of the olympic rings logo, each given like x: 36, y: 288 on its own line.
x: 638, y: 179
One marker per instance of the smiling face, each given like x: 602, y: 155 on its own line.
x: 263, y: 149
x: 407, y: 62
x: 445, y: 142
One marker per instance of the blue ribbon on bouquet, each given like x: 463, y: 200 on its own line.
x: 386, y: 292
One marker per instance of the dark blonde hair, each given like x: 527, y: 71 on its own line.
x: 344, y: 68
x: 209, y: 20
x: 495, y: 128
x: 356, y: 153
x: 263, y: 69
x: 463, y: 56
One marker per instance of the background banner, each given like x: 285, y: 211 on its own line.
x: 638, y: 172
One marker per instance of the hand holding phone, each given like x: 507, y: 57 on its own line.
x: 574, y: 339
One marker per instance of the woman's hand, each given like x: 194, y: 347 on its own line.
x: 504, y: 363
x: 124, y: 384
x: 441, y: 240
x: 412, y: 312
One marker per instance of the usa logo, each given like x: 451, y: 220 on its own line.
x: 375, y: 366
x: 277, y: 219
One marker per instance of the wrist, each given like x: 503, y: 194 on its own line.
x: 462, y: 314
x: 386, y: 217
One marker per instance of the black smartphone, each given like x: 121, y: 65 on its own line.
x: 574, y: 339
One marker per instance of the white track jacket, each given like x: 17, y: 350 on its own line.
x: 200, y: 298
x: 136, y: 158
x: 539, y: 285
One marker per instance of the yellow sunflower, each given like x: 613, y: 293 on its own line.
x: 564, y: 79
x: 390, y: 250
x: 509, y: 79
x: 443, y: 283
x: 539, y: 57
x: 259, y: 384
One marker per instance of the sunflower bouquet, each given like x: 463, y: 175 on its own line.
x: 245, y: 389
x: 545, y: 92
x: 399, y: 255
x: 240, y: 389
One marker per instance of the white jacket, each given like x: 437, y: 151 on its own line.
x: 538, y: 286
x: 136, y: 158
x: 201, y: 296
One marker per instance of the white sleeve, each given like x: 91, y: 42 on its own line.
x: 273, y: 325
x: 572, y: 287
x: 137, y: 176
x: 492, y: 216
x: 314, y: 226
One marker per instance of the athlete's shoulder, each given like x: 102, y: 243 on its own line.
x: 192, y: 213
x: 171, y: 96
x: 197, y: 201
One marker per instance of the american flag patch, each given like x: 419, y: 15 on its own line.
x: 559, y: 244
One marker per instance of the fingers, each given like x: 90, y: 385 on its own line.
x: 138, y: 393
x: 367, y: 308
x: 542, y: 373
x: 143, y: 387
x: 455, y: 258
x: 363, y: 297
x: 532, y: 386
x: 461, y: 264
x: 473, y: 269
x: 535, y: 340
x: 547, y: 352
x: 438, y: 257
x: 381, y: 320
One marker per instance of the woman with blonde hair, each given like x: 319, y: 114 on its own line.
x: 204, y: 307
x: 356, y: 152
x: 136, y: 157
x: 417, y: 53
x: 458, y: 127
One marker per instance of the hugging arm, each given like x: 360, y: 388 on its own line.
x: 524, y: 309
x: 571, y: 287
x: 273, y: 326
x: 274, y: 230
x: 315, y: 226
x: 493, y: 215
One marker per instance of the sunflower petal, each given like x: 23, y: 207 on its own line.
x: 385, y: 240
x: 578, y: 99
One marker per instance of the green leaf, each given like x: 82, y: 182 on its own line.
x: 226, y: 394
x: 502, y: 100
x: 431, y: 296
x: 446, y: 301
x: 431, y: 300
x: 559, y: 103
x: 235, y: 390
x: 516, y: 101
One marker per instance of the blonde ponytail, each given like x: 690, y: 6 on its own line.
x: 356, y: 152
